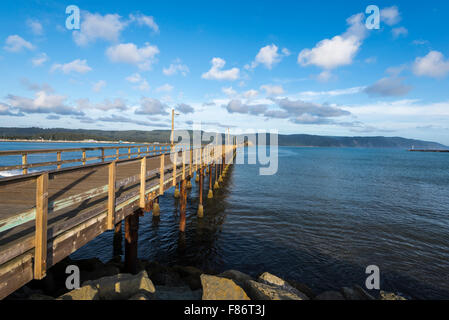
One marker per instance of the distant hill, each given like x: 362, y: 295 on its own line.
x: 163, y: 136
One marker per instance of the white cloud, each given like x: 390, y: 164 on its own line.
x: 229, y: 91
x: 129, y: 53
x: 96, y: 26
x: 338, y: 51
x: 272, y: 90
x: 324, y: 76
x: 39, y: 60
x: 268, y: 56
x: 98, y: 86
x: 105, y: 105
x: 134, y: 78
x: 331, y: 93
x: 390, y: 15
x: 77, y: 65
x: 43, y: 102
x: 388, y: 87
x: 35, y: 26
x: 432, y: 65
x: 142, y: 83
x: 400, y: 31
x: 176, y: 67
x: 216, y: 72
x: 165, y: 88
x: 15, y: 43
x: 150, y: 106
x: 250, y: 93
x: 144, y: 20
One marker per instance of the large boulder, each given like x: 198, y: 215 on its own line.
x: 190, y: 275
x: 330, y: 295
x: 301, y: 287
x: 176, y: 293
x: 356, y: 293
x: 390, y: 296
x: 263, y: 291
x: 216, y: 288
x: 123, y: 286
x: 86, y: 292
x: 237, y: 276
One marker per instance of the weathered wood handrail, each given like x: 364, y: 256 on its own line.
x: 52, y: 239
x: 155, y: 149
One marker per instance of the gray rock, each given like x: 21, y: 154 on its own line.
x: 140, y: 296
x: 390, y: 296
x: 167, y: 278
x: 177, y: 293
x: 238, y: 277
x: 86, y: 292
x: 216, y: 288
x: 356, y: 293
x: 123, y: 286
x: 39, y: 296
x: 185, y: 271
x: 301, y: 287
x: 330, y: 295
x: 263, y: 291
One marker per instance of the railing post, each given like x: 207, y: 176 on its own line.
x: 174, y: 168
x: 161, y: 175
x: 111, y: 196
x: 129, y: 153
x: 117, y: 153
x: 143, y: 175
x: 24, y: 162
x: 102, y: 154
x: 40, y: 240
x: 58, y: 158
x: 84, y: 157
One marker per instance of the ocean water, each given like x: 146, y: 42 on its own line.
x: 324, y: 217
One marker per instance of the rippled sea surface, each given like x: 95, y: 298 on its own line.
x: 324, y: 217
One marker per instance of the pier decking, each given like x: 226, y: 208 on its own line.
x: 47, y: 215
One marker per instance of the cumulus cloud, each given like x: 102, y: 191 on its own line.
x: 272, y: 90
x: 298, y: 108
x: 105, y: 105
x: 184, y: 108
x: 390, y: 15
x: 229, y: 91
x: 99, y: 85
x: 268, y: 56
x: 39, y: 60
x: 176, y: 67
x: 5, y: 110
x: 129, y: 53
x: 164, y: 88
x: 43, y: 102
x: 432, y: 65
x: 216, y: 72
x: 338, y: 51
x: 151, y: 106
x: 250, y: 93
x: 79, y: 66
x: 15, y: 43
x: 398, y: 32
x: 142, y: 83
x: 96, y: 26
x: 388, y: 87
x: 144, y: 20
x: 35, y: 86
x: 236, y: 106
x: 35, y: 26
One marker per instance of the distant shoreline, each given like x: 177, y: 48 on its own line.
x: 70, y: 141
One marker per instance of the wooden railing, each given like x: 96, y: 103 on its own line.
x: 150, y: 149
x: 150, y: 182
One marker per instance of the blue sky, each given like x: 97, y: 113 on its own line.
x: 291, y: 66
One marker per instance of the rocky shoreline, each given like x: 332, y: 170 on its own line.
x: 106, y: 281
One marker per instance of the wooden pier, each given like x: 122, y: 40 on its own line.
x: 45, y: 216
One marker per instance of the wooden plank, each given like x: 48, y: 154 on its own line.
x: 111, y: 195
x: 143, y: 173
x: 40, y: 243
